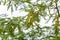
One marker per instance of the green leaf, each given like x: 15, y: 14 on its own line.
x: 11, y: 8
x: 9, y: 5
x: 36, y: 17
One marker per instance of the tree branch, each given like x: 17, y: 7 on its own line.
x: 57, y: 9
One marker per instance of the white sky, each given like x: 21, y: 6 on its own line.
x: 3, y: 10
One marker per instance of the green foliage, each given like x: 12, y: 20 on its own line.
x: 31, y: 22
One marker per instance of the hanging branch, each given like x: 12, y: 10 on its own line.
x: 57, y: 21
x: 57, y: 9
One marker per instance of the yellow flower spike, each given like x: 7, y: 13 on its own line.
x: 32, y: 19
x: 57, y: 23
x: 4, y: 2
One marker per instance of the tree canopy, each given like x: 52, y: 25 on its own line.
x: 37, y: 9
